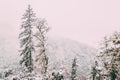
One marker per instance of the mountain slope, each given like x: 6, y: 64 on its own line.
x: 61, y: 52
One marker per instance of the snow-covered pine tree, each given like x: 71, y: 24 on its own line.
x: 104, y: 50
x: 74, y: 69
x: 111, y: 55
x: 26, y: 41
x: 95, y: 72
x: 41, y: 58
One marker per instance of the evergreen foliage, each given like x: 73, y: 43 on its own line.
x: 26, y: 39
x: 111, y: 55
x: 74, y: 70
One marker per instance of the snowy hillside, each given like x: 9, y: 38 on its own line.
x: 61, y: 52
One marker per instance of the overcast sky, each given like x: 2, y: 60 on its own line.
x: 86, y: 21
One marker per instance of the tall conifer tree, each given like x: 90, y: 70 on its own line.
x: 26, y: 39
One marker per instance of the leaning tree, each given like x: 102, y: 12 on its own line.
x: 41, y: 36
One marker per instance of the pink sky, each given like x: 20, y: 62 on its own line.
x: 86, y: 21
